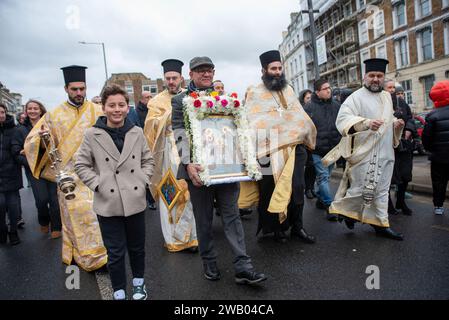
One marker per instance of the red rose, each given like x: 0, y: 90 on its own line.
x: 197, y: 103
x: 210, y: 104
x: 194, y: 95
x: 234, y: 95
x: 236, y: 104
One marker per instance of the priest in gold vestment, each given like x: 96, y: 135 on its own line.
x: 177, y: 220
x: 66, y: 125
x: 370, y: 133
x: 283, y: 132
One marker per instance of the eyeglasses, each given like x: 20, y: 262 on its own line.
x: 204, y: 71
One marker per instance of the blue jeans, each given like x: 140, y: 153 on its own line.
x: 322, y: 180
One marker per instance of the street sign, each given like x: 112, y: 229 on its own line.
x: 321, y: 50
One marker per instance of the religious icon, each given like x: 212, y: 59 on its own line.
x: 220, y: 149
x: 169, y: 189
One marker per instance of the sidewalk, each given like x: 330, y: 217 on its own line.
x: 421, y: 182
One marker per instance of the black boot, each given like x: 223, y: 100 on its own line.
x: 3, y: 236
x: 302, y: 235
x: 280, y: 236
x: 400, y: 203
x: 13, y: 238
x: 309, y: 194
x: 388, y: 233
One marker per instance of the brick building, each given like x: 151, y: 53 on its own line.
x: 135, y: 83
x: 414, y: 36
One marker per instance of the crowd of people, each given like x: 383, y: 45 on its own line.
x: 111, y: 159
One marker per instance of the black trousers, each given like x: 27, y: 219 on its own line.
x: 309, y: 173
x: 226, y: 197
x: 9, y: 201
x: 119, y: 235
x: 269, y: 222
x: 440, y: 176
x: 46, y: 200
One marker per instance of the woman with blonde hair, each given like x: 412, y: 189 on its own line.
x: 44, y: 191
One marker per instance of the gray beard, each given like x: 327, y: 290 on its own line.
x: 380, y: 89
x: 274, y: 83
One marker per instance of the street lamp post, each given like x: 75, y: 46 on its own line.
x: 104, y: 55
x: 311, y: 12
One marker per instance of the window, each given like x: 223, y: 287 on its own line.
x: 349, y: 34
x: 423, y: 8
x: 296, y: 66
x: 297, y: 37
x: 364, y: 55
x: 445, y: 3
x: 379, y: 26
x: 153, y: 89
x: 347, y: 9
x: 353, y: 74
x: 146, y: 88
x: 381, y: 51
x: 427, y: 85
x: 446, y: 37
x: 289, y: 48
x: 293, y: 43
x: 424, y: 44
x: 399, y: 15
x: 363, y: 32
x: 407, y: 86
x: 360, y: 4
x: 401, y: 52
x: 129, y: 89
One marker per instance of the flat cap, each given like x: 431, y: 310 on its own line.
x: 201, y: 61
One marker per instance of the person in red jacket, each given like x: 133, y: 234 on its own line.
x: 435, y: 138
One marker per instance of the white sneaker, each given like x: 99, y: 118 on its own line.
x: 438, y: 211
x: 140, y: 292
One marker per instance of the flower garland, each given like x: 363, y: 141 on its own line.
x: 197, y: 106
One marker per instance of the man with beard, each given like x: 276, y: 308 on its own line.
x: 203, y: 197
x: 66, y: 124
x: 370, y: 133
x: 283, y: 132
x: 178, y: 224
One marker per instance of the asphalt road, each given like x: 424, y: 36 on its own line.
x: 333, y: 268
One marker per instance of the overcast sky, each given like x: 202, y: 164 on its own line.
x: 39, y: 37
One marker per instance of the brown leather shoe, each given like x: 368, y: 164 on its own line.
x: 56, y: 234
x: 45, y: 229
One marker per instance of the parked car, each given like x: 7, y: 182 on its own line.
x: 418, y: 146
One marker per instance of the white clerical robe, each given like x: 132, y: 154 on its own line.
x: 359, y: 150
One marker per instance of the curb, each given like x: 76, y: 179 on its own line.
x: 414, y: 187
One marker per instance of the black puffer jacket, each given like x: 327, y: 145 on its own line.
x: 324, y: 114
x: 10, y: 173
x: 19, y: 139
x: 435, y: 136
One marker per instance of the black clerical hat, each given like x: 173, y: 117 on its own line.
x: 172, y: 65
x: 269, y: 57
x: 375, y: 64
x: 74, y: 74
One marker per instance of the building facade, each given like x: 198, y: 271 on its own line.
x: 13, y: 101
x: 414, y: 36
x: 293, y: 52
x: 336, y: 23
x: 135, y: 84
